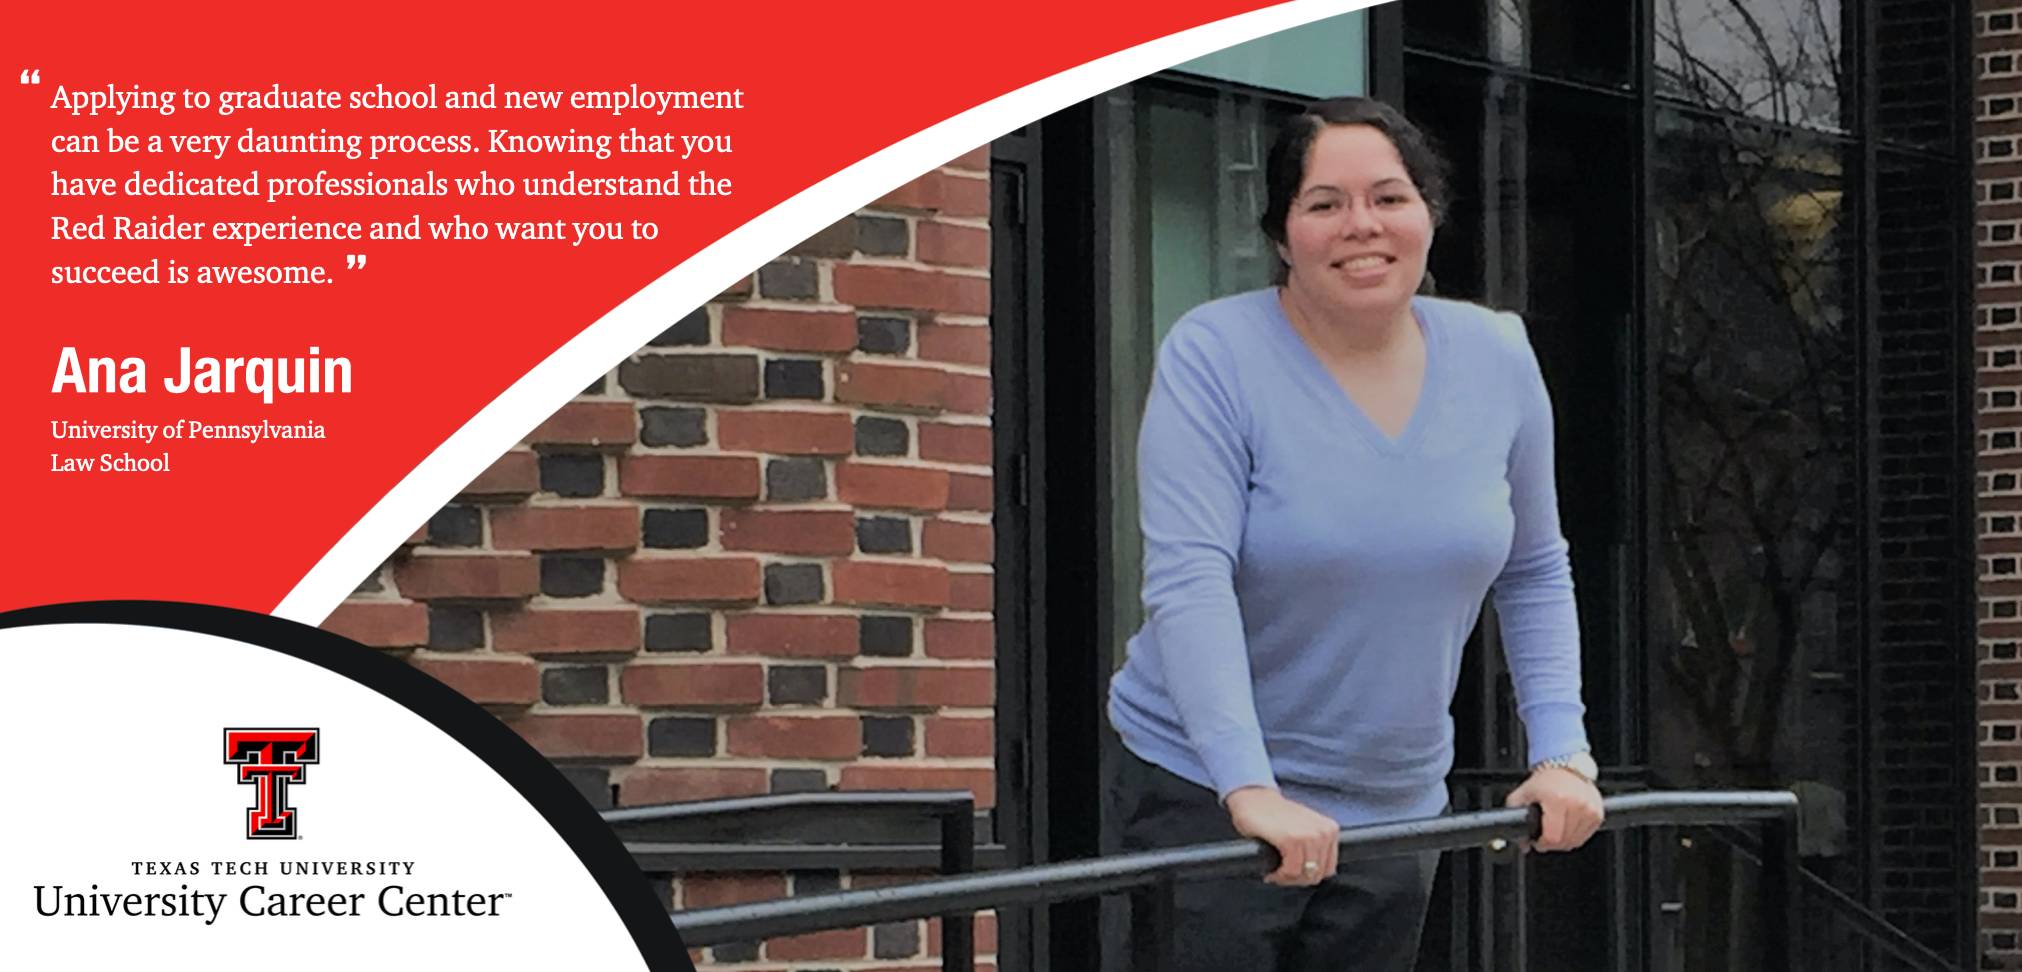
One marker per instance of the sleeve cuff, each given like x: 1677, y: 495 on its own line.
x: 1555, y: 730
x: 1234, y: 764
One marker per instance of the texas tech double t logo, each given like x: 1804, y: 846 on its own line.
x: 270, y: 759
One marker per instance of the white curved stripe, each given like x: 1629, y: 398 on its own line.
x: 597, y: 349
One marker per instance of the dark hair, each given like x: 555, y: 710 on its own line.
x: 1285, y: 167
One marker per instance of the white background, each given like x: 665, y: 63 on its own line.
x: 113, y: 744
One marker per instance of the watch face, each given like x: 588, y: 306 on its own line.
x: 1583, y: 764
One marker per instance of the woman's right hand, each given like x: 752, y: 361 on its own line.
x: 1301, y: 834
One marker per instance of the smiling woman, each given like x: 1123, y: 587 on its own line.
x: 1333, y: 472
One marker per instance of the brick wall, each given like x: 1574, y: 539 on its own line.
x: 755, y: 557
x: 1997, y: 86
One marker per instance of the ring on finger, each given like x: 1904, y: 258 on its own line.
x: 1311, y: 868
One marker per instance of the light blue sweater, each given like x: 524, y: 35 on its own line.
x: 1309, y: 582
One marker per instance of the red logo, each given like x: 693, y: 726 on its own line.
x: 270, y: 759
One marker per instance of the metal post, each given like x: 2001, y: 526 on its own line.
x: 958, y: 856
x: 1154, y: 917
x: 1780, y: 919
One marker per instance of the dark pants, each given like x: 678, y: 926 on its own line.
x: 1366, y: 918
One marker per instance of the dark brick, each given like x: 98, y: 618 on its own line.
x: 788, y: 280
x: 884, y: 335
x: 798, y: 781
x: 576, y: 685
x: 816, y: 882
x: 796, y: 479
x: 454, y: 628
x: 793, y: 584
x: 729, y: 952
x: 690, y: 330
x: 596, y: 387
x: 593, y: 782
x: 681, y: 736
x: 884, y: 535
x: 885, y: 636
x: 456, y: 526
x: 678, y: 632
x: 882, y: 437
x: 372, y: 584
x: 882, y: 236
x: 729, y: 378
x: 572, y: 576
x: 566, y: 475
x: 679, y: 427
x: 676, y: 529
x: 888, y: 736
x: 796, y: 685
x: 795, y: 378
x: 898, y: 939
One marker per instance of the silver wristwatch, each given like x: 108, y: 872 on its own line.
x: 1581, y: 764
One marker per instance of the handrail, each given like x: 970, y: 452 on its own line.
x: 955, y: 810
x: 1160, y: 869
x: 1859, y: 917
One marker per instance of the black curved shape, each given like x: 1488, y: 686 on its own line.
x: 514, y: 759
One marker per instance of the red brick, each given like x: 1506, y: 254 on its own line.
x: 876, y: 583
x: 785, y: 330
x: 646, y: 785
x: 891, y: 487
x: 550, y: 632
x: 689, y: 477
x: 583, y: 736
x: 971, y: 491
x: 951, y: 194
x: 742, y: 288
x: 588, y: 423
x: 955, y: 343
x: 730, y: 684
x: 791, y: 635
x: 718, y: 890
x: 842, y: 943
x: 808, y: 532
x: 968, y: 394
x: 487, y: 681
x: 961, y: 542
x: 985, y: 929
x: 954, y: 638
x: 954, y: 246
x: 786, y: 433
x: 919, y: 389
x: 916, y: 686
x: 689, y: 580
x: 953, y: 736
x: 869, y: 285
x: 972, y: 592
x: 975, y: 160
x: 898, y: 776
x: 387, y: 624
x: 565, y: 528
x: 968, y: 444
x: 786, y: 737
x: 418, y: 537
x: 512, y: 474
x: 468, y: 576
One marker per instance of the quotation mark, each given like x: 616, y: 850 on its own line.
x: 354, y: 261
x: 32, y: 76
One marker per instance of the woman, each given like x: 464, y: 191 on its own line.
x: 1334, y: 472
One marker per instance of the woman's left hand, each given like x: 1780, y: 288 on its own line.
x: 1572, y: 807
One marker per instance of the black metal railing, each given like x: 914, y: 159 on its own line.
x: 1150, y: 877
x: 658, y: 836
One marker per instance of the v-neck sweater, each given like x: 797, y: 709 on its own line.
x: 1310, y: 582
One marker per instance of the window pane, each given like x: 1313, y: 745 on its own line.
x: 1755, y: 612
x: 1185, y: 188
x: 1323, y: 59
x: 1776, y: 60
x: 1570, y: 38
